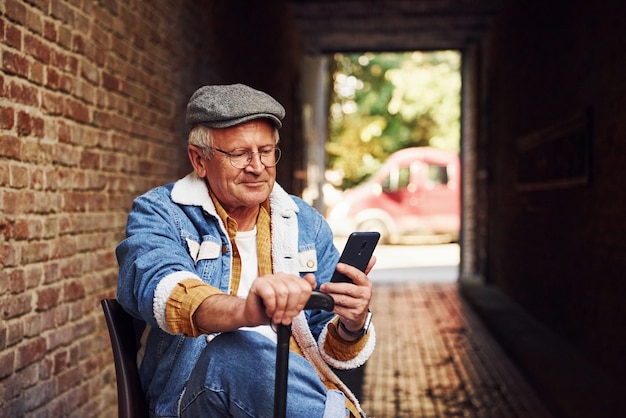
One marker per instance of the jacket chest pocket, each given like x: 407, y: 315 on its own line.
x: 208, y: 249
x: 307, y: 260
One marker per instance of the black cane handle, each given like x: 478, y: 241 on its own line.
x: 319, y: 300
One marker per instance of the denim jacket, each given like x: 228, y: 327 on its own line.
x: 174, y: 233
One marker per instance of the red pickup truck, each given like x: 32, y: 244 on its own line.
x: 415, y: 193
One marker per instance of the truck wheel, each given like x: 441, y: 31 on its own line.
x: 375, y: 225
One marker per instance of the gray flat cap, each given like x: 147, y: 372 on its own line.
x: 228, y: 105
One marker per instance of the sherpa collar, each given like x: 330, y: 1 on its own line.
x: 191, y: 190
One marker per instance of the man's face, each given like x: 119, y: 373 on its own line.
x: 239, y: 190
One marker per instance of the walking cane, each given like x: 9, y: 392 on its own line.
x: 318, y: 300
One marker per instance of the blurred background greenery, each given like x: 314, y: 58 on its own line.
x: 382, y: 102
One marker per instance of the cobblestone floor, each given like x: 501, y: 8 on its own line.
x: 434, y: 358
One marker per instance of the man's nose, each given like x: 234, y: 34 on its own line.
x: 255, y: 161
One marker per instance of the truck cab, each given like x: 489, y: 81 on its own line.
x: 415, y: 193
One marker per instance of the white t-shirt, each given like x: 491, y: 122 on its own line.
x: 246, y: 244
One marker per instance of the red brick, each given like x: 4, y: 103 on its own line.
x: 17, y: 282
x: 90, y: 72
x: 15, y: 10
x: 4, y: 174
x: 110, y: 6
x: 67, y: 156
x: 38, y: 127
x: 85, y: 325
x: 76, y: 202
x: 52, y: 272
x: 90, y: 160
x: 34, y: 151
x: 41, y: 5
x: 15, y: 332
x: 49, y: 31
x: 9, y: 256
x: 22, y: 93
x: 70, y: 267
x: 64, y: 38
x: 36, y: 73
x: 14, y: 63
x: 34, y: 22
x: 14, y: 407
x: 15, y: 305
x: 3, y: 336
x: 76, y: 110
x: 33, y: 276
x: 62, y: 11
x: 68, y: 84
x: 45, y: 369
x: 13, y: 36
x: 53, y: 78
x: 24, y: 124
x: 110, y: 82
x: 7, y: 363
x: 5, y: 275
x: 36, y: 48
x: 61, y: 362
x: 35, y: 252
x: 64, y: 246
x: 61, y: 315
x: 64, y: 133
x: 97, y: 55
x: 65, y: 63
x: 7, y: 118
x: 37, y: 179
x: 39, y: 395
x: 79, y: 44
x: 51, y: 104
x: 17, y: 201
x: 83, y: 21
x: 62, y: 337
x: 19, y: 176
x: 20, y: 229
x: 11, y: 146
x: 47, y: 298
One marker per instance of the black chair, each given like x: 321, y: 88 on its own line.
x: 131, y: 402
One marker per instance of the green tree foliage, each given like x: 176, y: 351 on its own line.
x: 382, y: 102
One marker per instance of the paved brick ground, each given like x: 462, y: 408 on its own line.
x: 434, y: 358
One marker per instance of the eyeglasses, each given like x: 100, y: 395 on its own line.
x: 241, y: 157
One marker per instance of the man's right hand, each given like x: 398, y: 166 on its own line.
x: 274, y: 298
x: 277, y: 298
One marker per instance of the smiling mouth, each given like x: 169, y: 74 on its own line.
x: 253, y: 183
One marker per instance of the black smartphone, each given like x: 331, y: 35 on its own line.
x: 357, y: 252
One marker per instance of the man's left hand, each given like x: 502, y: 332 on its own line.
x: 352, y: 300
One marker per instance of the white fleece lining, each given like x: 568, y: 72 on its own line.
x: 283, y: 212
x: 359, y: 360
x: 312, y: 352
x: 191, y: 190
x: 163, y: 292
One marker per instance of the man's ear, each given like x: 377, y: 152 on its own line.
x: 197, y: 159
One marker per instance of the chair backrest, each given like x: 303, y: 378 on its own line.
x: 130, y: 397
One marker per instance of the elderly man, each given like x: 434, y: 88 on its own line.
x: 214, y: 260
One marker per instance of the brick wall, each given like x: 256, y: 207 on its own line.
x: 91, y: 115
x: 559, y: 251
